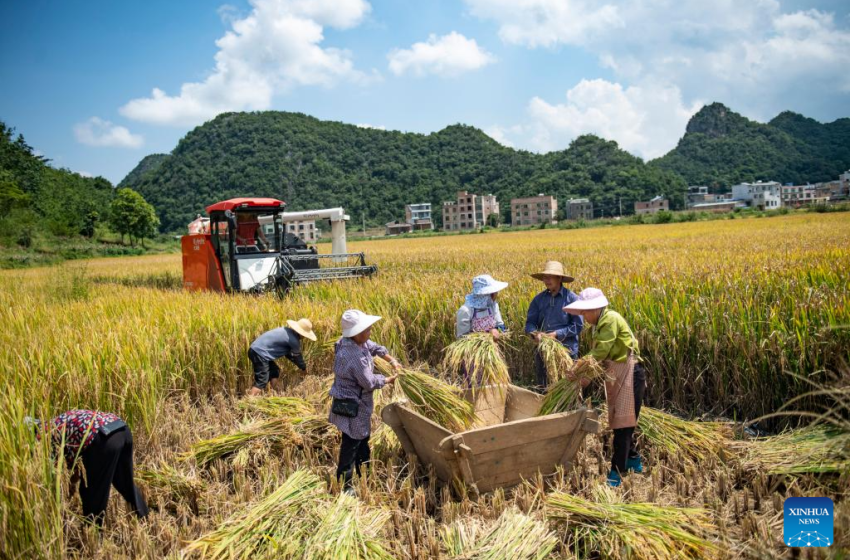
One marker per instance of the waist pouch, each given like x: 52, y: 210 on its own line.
x: 111, y: 427
x: 345, y: 407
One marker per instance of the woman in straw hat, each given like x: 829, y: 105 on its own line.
x: 616, y: 348
x: 546, y: 316
x: 274, y: 344
x: 354, y: 383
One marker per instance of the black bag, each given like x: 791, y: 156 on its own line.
x: 112, y: 427
x: 345, y: 407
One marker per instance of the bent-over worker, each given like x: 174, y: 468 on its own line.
x: 546, y: 316
x: 615, y: 347
x: 354, y: 383
x: 102, y: 442
x: 274, y: 344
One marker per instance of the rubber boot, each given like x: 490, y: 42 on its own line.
x: 634, y: 464
x: 614, y: 479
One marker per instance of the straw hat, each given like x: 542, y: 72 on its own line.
x: 589, y: 298
x: 485, y: 285
x: 355, y: 322
x: 553, y: 268
x: 303, y: 327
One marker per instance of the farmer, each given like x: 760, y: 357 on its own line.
x: 616, y: 348
x: 480, y: 310
x: 248, y: 231
x: 546, y: 316
x: 274, y: 344
x: 102, y: 442
x: 354, y: 382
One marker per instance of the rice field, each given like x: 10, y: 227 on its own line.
x: 734, y: 319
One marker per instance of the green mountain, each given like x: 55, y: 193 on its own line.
x: 148, y: 163
x: 721, y: 148
x: 318, y: 164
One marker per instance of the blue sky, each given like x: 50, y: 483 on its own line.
x: 79, y: 77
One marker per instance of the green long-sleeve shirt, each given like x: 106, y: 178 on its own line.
x: 612, y: 338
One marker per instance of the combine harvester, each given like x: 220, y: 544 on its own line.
x: 244, y: 247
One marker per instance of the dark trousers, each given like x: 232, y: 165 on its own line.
x: 541, y: 377
x: 264, y: 370
x: 624, y: 438
x: 352, y: 454
x: 108, y: 461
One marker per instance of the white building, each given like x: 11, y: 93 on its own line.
x: 306, y: 230
x: 798, y: 195
x: 762, y: 195
x: 419, y: 216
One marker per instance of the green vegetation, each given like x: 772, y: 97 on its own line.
x: 721, y: 148
x: 315, y: 164
x: 48, y: 215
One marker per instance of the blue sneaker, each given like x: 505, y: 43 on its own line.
x: 634, y: 464
x: 614, y: 479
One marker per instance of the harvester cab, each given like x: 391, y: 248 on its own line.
x: 245, y: 247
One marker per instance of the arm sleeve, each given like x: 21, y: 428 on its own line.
x: 367, y: 380
x: 606, y: 335
x: 463, y: 323
x: 298, y: 360
x: 376, y: 349
x: 500, y: 324
x: 531, y: 317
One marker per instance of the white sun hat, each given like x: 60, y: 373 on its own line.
x: 355, y: 322
x: 589, y: 298
x: 485, y: 285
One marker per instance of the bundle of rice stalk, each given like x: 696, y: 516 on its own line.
x: 814, y: 449
x: 588, y: 368
x: 277, y: 406
x: 514, y: 536
x: 478, y: 356
x: 314, y: 428
x: 274, y: 527
x: 555, y: 357
x: 565, y: 394
x: 384, y: 442
x: 348, y: 531
x: 691, y: 440
x: 459, y: 537
x: 613, y: 529
x: 274, y: 431
x: 177, y: 484
x: 435, y: 399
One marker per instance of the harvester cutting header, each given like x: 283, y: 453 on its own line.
x: 244, y: 247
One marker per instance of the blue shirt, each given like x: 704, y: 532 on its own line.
x: 546, y: 314
x: 280, y: 342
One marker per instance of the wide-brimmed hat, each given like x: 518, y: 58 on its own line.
x: 588, y: 298
x: 303, y: 327
x: 355, y: 322
x: 553, y: 268
x: 485, y: 285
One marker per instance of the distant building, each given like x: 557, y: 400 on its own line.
x: 306, y: 230
x: 844, y: 179
x: 533, y: 210
x: 799, y: 195
x: 761, y: 195
x: 419, y: 216
x: 653, y: 206
x: 579, y: 209
x: 469, y: 211
x: 700, y: 195
x: 397, y: 228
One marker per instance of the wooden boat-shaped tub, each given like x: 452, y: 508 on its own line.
x: 509, y: 442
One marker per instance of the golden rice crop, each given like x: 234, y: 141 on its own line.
x: 715, y: 323
x: 478, y: 357
x: 691, y: 440
x: 564, y: 395
x: 348, y: 531
x: 814, y: 449
x: 277, y: 406
x: 613, y: 528
x: 274, y: 430
x: 435, y: 399
x: 515, y: 536
x: 275, y: 527
x: 556, y: 358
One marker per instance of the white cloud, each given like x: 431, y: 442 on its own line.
x: 751, y: 55
x: 375, y: 126
x: 270, y: 51
x: 99, y: 132
x: 500, y: 134
x: 85, y: 174
x: 646, y: 121
x: 449, y: 55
